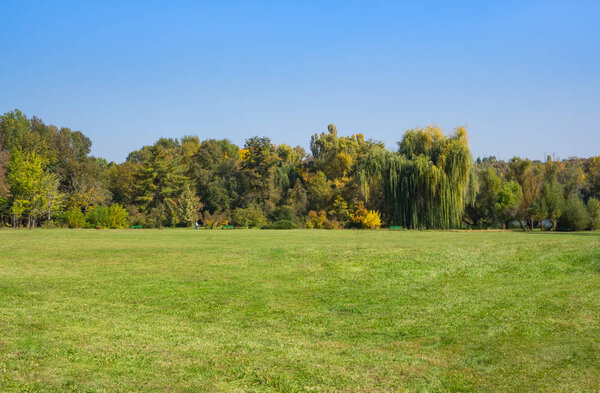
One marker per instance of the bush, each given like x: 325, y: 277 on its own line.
x: 72, y: 218
x: 363, y: 218
x: 574, y: 216
x: 282, y: 213
x: 114, y: 216
x: 215, y: 220
x: 316, y: 220
x: 372, y: 220
x: 135, y: 216
x: 117, y: 216
x: 332, y: 224
x: 250, y: 217
x: 281, y: 224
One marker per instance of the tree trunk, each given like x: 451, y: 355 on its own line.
x: 522, y: 226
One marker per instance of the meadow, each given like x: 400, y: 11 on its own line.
x: 299, y: 311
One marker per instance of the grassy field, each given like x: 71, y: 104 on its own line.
x: 295, y: 311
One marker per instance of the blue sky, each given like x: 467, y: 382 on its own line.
x: 523, y: 76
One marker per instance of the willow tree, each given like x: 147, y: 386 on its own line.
x: 426, y: 183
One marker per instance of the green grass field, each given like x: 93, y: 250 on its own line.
x: 295, y: 311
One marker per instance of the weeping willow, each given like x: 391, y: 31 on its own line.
x: 425, y: 184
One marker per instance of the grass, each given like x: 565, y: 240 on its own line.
x: 295, y: 311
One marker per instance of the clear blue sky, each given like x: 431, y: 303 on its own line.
x: 523, y: 76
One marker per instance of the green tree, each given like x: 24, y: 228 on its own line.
x: 426, y: 184
x: 27, y: 179
x: 159, y: 182
x: 4, y: 187
x: 551, y: 200
x: 188, y: 207
x: 593, y: 176
x: 508, y: 201
x: 258, y: 165
x: 593, y: 207
x: 481, y: 210
x: 249, y: 217
x: 298, y: 198
x: 574, y: 215
x: 530, y: 177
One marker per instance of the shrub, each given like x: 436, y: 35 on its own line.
x: 114, y: 216
x: 340, y: 212
x: 117, y: 216
x: 372, y: 220
x: 363, y: 218
x: 214, y: 220
x: 574, y: 216
x: 73, y: 218
x: 316, y: 220
x: 332, y: 224
x: 250, y: 217
x: 135, y: 216
x: 281, y: 224
x: 282, y: 213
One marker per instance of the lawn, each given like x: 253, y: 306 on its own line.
x: 296, y: 311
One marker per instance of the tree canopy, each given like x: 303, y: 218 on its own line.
x: 48, y: 177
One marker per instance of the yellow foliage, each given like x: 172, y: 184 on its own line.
x: 372, y: 220
x: 244, y: 154
x: 316, y: 220
x: 369, y: 219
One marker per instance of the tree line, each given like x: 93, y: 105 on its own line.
x: 48, y: 178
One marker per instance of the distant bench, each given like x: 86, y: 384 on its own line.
x: 227, y: 227
x: 395, y: 227
x: 136, y: 227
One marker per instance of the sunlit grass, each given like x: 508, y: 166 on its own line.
x: 305, y: 310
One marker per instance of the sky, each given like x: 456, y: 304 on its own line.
x: 522, y: 76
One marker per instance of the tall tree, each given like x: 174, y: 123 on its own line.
x: 258, y: 164
x: 593, y: 176
x: 508, y: 201
x: 529, y: 176
x: 426, y: 183
x: 26, y: 178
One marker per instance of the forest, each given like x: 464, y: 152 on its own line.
x: 48, y: 178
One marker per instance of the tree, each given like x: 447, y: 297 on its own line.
x: 214, y: 168
x: 593, y: 207
x: 426, y: 183
x: 4, y: 187
x: 551, y: 200
x: 337, y: 158
x: 593, y: 176
x: 364, y: 218
x: 508, y: 201
x: 319, y: 189
x: 574, y: 215
x: 188, y: 207
x: 257, y: 164
x: 530, y: 177
x: 481, y: 209
x: 14, y: 131
x: 298, y: 198
x: 249, y: 217
x: 27, y: 180
x: 159, y: 182
x: 52, y: 199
